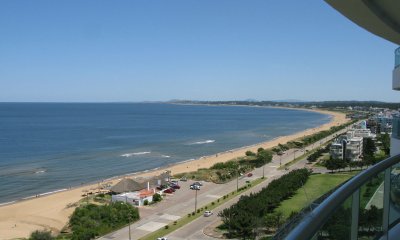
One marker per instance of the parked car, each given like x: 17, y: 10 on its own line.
x: 169, y: 190
x: 208, y: 213
x: 183, y: 179
x: 161, y: 187
x: 176, y: 186
x: 174, y: 182
x: 250, y: 174
x: 162, y: 238
x: 198, y: 183
x: 194, y: 187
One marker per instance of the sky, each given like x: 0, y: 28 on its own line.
x: 148, y: 50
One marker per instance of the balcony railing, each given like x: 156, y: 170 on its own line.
x: 365, y: 207
x: 397, y: 57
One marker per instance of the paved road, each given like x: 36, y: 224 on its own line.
x: 182, y: 202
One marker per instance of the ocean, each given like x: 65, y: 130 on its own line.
x: 46, y: 147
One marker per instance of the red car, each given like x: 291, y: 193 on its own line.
x: 249, y: 174
x: 169, y: 190
x: 176, y: 186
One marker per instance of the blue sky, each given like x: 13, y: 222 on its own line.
x: 96, y: 51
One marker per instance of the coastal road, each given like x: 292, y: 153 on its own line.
x: 201, y: 228
x: 182, y: 202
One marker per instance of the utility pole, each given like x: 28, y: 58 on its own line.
x: 195, y: 201
x: 129, y: 218
x: 237, y: 182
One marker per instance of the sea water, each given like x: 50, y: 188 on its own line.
x: 46, y: 147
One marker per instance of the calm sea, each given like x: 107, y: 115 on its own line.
x: 49, y: 146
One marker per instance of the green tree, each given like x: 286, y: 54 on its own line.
x: 263, y: 157
x: 90, y: 221
x: 250, y: 153
x: 157, y: 197
x: 41, y: 235
x: 385, y: 140
x: 369, y: 147
x: 331, y: 164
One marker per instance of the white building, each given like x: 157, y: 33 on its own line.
x: 363, y: 133
x: 347, y: 147
x: 135, y: 198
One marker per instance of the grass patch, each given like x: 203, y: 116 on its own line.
x: 190, y: 217
x: 316, y: 186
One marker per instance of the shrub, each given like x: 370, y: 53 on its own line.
x: 146, y: 202
x: 91, y: 220
x: 198, y: 210
x: 250, y: 153
x: 213, y: 203
x: 175, y: 222
x: 157, y: 197
x: 166, y: 227
x: 41, y: 235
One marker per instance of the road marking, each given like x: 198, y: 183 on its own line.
x: 152, y: 226
x: 213, y: 196
x: 170, y: 217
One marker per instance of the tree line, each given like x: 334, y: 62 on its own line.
x: 251, y: 213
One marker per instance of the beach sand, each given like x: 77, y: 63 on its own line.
x: 50, y: 212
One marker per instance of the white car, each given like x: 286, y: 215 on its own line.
x: 162, y: 238
x: 208, y: 213
x: 194, y: 187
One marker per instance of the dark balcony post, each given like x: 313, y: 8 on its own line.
x: 355, y: 211
x: 386, y: 203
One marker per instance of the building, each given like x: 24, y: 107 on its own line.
x: 382, y: 18
x: 347, y: 147
x: 127, y: 185
x: 137, y: 198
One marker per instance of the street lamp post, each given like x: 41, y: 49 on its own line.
x: 195, y: 201
x: 129, y: 218
x: 237, y: 183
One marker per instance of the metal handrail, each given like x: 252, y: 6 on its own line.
x: 320, y: 215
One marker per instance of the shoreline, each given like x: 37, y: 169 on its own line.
x: 165, y: 167
x: 50, y: 210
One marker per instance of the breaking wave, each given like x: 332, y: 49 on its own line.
x: 134, y: 154
x: 202, y: 142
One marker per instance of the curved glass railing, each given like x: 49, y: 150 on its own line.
x: 397, y: 57
x: 365, y: 207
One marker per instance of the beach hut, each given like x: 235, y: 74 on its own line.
x: 127, y: 185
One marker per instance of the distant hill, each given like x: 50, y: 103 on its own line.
x: 295, y: 103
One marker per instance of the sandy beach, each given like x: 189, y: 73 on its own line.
x: 51, y: 211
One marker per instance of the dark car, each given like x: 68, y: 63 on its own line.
x: 249, y: 174
x: 161, y: 187
x: 195, y: 187
x: 176, y: 186
x: 198, y: 183
x: 169, y: 190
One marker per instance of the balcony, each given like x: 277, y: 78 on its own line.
x: 365, y: 207
x: 396, y: 70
